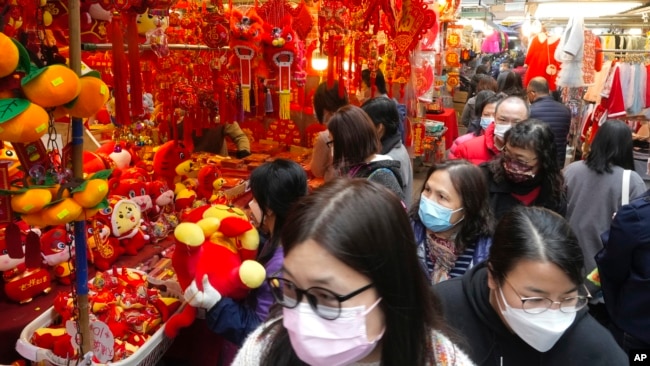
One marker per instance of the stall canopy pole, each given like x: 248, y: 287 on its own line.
x: 81, y: 262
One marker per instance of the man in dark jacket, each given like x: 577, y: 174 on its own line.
x: 556, y: 114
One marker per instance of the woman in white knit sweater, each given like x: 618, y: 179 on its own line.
x: 351, y: 289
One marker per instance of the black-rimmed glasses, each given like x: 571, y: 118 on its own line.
x: 324, y: 302
x: 538, y: 305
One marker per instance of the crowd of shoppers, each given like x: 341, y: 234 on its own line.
x: 503, y: 235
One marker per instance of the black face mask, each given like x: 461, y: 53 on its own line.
x: 517, y: 172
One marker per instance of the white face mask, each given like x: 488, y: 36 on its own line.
x: 540, y: 331
x: 500, y: 130
x: 321, y: 342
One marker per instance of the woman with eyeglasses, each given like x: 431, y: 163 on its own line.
x: 526, y: 173
x: 351, y: 289
x: 526, y: 304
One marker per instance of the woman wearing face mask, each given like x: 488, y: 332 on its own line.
x: 275, y: 186
x: 526, y: 173
x: 452, y: 221
x: 326, y: 102
x: 351, y: 289
x: 486, y: 102
x: 527, y: 304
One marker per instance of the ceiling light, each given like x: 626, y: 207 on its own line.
x: 565, y: 9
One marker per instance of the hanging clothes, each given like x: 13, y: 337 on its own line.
x: 491, y: 43
x: 570, y: 53
x: 593, y: 92
x: 539, y: 57
x: 592, y: 61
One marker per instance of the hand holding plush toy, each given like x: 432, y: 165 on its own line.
x: 205, y: 299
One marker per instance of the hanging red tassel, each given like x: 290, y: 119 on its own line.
x: 134, y: 64
x: 339, y: 68
x: 357, y: 71
x: 330, y: 62
x: 120, y: 73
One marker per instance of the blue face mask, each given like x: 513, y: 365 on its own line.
x: 486, y: 121
x: 435, y: 217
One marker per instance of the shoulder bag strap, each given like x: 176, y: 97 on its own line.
x: 625, y: 196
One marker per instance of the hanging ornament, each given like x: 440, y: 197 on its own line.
x: 245, y: 38
x: 333, y: 26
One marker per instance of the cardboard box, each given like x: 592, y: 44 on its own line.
x: 460, y: 97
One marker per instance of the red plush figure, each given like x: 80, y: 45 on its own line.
x: 55, y: 339
x: 162, y: 198
x: 121, y: 154
x: 134, y: 189
x: 220, y: 249
x: 124, y: 218
x: 209, y: 180
x: 57, y: 247
x: 104, y: 248
x: 172, y: 159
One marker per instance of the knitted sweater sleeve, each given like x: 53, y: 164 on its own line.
x: 449, y: 354
x: 253, y: 348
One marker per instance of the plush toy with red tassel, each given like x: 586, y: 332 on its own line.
x: 209, y: 264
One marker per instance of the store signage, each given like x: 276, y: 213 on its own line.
x: 102, y: 341
x: 418, y: 138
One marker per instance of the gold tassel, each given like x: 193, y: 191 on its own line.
x: 246, y: 98
x: 285, y: 104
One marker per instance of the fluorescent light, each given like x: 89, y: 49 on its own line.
x: 565, y: 9
x: 635, y: 31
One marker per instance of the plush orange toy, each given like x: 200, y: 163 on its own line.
x: 221, y: 249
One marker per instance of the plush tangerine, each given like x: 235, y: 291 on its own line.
x: 10, y: 56
x: 54, y: 86
x: 62, y: 212
x: 26, y: 127
x: 93, y: 96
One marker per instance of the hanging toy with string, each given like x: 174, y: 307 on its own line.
x: 280, y: 52
x: 245, y: 42
x: 333, y: 26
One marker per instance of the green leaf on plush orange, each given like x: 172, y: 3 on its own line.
x: 11, y: 107
x: 102, y: 205
x: 102, y: 174
x: 24, y: 62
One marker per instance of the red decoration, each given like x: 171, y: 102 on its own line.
x: 413, y: 25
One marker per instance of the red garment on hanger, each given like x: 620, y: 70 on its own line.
x: 538, y: 57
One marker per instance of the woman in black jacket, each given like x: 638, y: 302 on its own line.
x: 527, y: 304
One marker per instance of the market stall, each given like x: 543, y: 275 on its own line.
x: 115, y: 123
